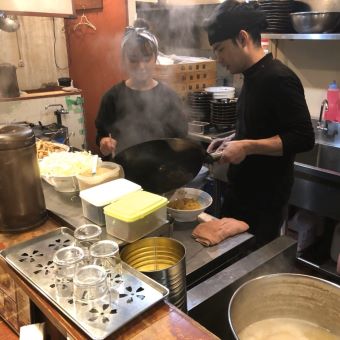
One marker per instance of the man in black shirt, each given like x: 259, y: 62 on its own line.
x: 273, y: 121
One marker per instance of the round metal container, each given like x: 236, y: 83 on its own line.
x: 22, y: 199
x: 286, y: 296
x: 162, y: 259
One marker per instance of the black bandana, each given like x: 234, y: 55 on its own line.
x: 227, y: 23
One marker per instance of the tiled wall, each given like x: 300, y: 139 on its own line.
x: 33, y: 111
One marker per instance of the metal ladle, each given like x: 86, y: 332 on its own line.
x: 9, y: 23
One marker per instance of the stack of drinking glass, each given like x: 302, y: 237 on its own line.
x: 90, y: 270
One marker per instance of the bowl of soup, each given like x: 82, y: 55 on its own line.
x: 187, y: 203
x: 286, y: 306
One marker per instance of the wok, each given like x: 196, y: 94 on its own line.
x: 163, y: 165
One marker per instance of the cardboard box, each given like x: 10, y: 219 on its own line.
x: 184, y: 78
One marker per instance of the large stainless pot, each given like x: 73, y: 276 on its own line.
x: 21, y: 196
x: 286, y: 296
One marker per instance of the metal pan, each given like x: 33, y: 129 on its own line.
x: 160, y: 166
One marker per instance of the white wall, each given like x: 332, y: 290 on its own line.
x: 36, y: 46
x: 317, y: 63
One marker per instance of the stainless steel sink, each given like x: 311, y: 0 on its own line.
x: 317, y: 181
x: 321, y: 157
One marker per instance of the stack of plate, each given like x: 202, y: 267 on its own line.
x: 221, y: 92
x: 199, y: 106
x: 223, y: 113
x: 277, y: 14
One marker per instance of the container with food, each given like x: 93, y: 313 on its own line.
x: 135, y: 215
x: 187, y: 203
x: 94, y: 199
x: 61, y: 168
x: 285, y: 306
x: 44, y: 148
x: 105, y: 172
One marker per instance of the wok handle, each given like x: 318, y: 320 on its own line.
x: 213, y: 157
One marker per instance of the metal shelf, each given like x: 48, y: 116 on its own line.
x: 302, y: 36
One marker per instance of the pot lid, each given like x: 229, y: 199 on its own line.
x: 15, y: 136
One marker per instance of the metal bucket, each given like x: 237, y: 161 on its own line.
x: 291, y: 296
x: 162, y: 259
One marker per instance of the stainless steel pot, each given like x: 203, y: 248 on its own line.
x: 21, y: 196
x: 286, y: 296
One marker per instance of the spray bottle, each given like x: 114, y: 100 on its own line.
x: 333, y: 98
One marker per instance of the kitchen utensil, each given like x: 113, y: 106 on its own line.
x: 315, y: 22
x: 162, y: 259
x: 85, y: 236
x: 286, y: 295
x: 94, y: 164
x: 163, y: 165
x: 135, y: 215
x: 105, y: 172
x: 66, y: 261
x: 32, y: 260
x: 198, y: 127
x: 94, y: 199
x: 90, y: 286
x: 22, y: 199
x: 105, y: 254
x: 202, y: 197
x: 9, y: 87
x: 9, y: 23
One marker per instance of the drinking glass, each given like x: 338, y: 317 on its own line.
x: 85, y: 236
x: 105, y: 253
x: 67, y: 260
x: 90, y: 284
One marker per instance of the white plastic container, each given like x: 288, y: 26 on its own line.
x: 94, y: 199
x: 135, y: 215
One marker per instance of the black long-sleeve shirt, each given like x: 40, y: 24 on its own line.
x: 271, y: 103
x: 134, y: 117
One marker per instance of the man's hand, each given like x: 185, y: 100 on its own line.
x: 107, y: 145
x: 234, y: 152
x: 218, y: 144
x: 237, y: 150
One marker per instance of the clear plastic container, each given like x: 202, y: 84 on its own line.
x: 135, y: 215
x: 105, y: 172
x: 94, y: 199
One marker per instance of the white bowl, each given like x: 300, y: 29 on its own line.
x: 63, y: 183
x: 189, y: 215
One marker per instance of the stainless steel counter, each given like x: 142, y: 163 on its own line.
x: 201, y: 262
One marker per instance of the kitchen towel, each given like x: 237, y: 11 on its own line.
x: 215, y: 231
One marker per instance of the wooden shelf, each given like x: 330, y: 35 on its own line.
x: 42, y: 94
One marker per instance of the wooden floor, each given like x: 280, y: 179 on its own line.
x: 6, y: 333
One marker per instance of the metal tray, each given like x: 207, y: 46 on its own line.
x: 137, y: 292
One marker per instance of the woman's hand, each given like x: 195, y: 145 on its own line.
x: 107, y: 145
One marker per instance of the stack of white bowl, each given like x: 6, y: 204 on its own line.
x: 221, y: 92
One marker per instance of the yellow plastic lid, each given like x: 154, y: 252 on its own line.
x: 134, y: 206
